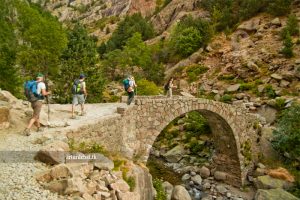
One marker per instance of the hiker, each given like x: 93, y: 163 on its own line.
x: 168, y: 87
x: 35, y: 92
x: 79, y: 94
x: 129, y: 86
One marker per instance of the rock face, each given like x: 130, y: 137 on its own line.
x: 274, y: 194
x: 4, y: 115
x: 180, y: 193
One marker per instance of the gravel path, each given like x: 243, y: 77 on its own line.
x: 17, y: 166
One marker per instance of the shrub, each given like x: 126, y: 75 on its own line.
x: 227, y: 98
x: 279, y: 7
x: 287, y: 50
x: 247, y: 86
x: 280, y: 103
x: 161, y: 193
x: 292, y: 27
x: 194, y: 71
x: 130, y: 180
x: 287, y: 134
x: 196, y: 124
x: 269, y: 91
x: 146, y: 87
x: 189, y: 35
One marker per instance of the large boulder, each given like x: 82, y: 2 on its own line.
x: 168, y: 187
x: 7, y: 96
x: 233, y: 88
x: 267, y: 182
x: 102, y: 162
x: 175, y: 154
x: 4, y: 115
x: 274, y: 194
x: 180, y: 193
x: 250, y: 26
x: 53, y: 153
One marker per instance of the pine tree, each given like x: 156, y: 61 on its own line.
x: 287, y: 50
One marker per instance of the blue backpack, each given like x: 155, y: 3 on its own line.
x: 126, y: 84
x: 30, y: 89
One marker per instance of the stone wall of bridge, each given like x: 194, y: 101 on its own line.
x: 133, y: 130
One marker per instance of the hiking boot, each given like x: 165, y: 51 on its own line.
x: 40, y: 129
x: 26, y: 132
x: 73, y: 117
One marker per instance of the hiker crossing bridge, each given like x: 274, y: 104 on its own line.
x: 132, y: 130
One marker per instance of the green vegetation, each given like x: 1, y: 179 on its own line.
x: 226, y: 98
x: 287, y: 135
x: 189, y: 35
x: 85, y: 147
x: 194, y: 71
x: 80, y: 57
x: 130, y: 180
x: 227, y: 13
x: 287, y: 50
x: 161, y: 193
x: 125, y: 30
x: 280, y: 103
x: 146, y: 87
x: 291, y: 28
x: 246, y: 152
x: 134, y: 55
x: 269, y: 91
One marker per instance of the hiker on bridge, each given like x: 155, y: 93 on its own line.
x: 168, y: 87
x: 35, y: 91
x: 79, y: 95
x: 129, y: 87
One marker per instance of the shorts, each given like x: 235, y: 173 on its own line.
x: 37, y: 107
x: 78, y: 99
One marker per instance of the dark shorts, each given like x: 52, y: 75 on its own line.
x: 37, y: 107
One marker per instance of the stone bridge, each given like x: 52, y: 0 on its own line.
x: 132, y: 131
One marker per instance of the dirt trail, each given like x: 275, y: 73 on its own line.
x: 17, y: 166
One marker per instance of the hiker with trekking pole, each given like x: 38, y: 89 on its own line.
x: 130, y: 86
x: 35, y: 91
x: 79, y: 95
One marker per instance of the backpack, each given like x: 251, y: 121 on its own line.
x: 30, y: 91
x: 167, y: 87
x: 77, y: 87
x: 126, y: 84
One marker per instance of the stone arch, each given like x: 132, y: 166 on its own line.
x: 229, y: 126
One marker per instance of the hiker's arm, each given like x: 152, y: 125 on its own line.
x: 84, y: 90
x: 45, y: 93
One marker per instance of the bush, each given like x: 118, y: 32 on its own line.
x: 287, y: 50
x: 194, y: 71
x: 280, y: 103
x: 189, y: 35
x: 227, y: 98
x: 292, y: 27
x: 247, y: 86
x: 196, y: 124
x: 287, y: 134
x: 279, y: 7
x: 146, y: 87
x: 161, y: 193
x: 270, y: 92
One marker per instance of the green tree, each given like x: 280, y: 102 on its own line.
x: 10, y: 74
x: 80, y: 56
x: 187, y: 42
x: 147, y: 88
x: 189, y: 35
x: 287, y: 50
x: 287, y: 134
x: 125, y: 30
x: 43, y: 40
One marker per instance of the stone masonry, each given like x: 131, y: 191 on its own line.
x: 134, y: 129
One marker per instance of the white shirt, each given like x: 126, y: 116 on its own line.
x: 40, y: 86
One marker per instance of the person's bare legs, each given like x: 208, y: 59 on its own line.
x: 33, y: 121
x: 82, y: 109
x: 73, y: 110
